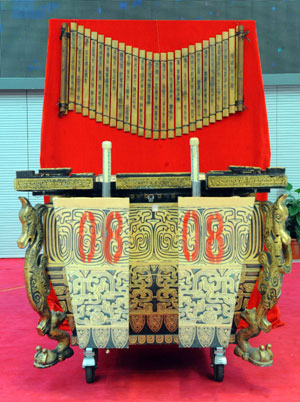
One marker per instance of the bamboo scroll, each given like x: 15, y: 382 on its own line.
x: 156, y: 95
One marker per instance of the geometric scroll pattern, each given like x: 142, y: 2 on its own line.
x: 94, y: 246
x: 55, y: 265
x: 213, y: 242
x: 153, y: 234
x: 251, y: 266
x: 153, y: 274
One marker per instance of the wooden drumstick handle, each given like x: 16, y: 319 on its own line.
x: 194, y: 142
x: 106, y: 168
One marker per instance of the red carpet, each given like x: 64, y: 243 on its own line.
x: 142, y: 373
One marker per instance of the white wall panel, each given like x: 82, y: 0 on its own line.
x: 283, y: 107
x: 20, y: 120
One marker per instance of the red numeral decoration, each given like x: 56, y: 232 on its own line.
x: 191, y: 257
x: 111, y: 259
x: 215, y: 235
x: 83, y: 219
x: 113, y: 235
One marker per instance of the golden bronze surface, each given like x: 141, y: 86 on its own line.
x: 210, y: 266
x: 153, y: 287
x: 276, y: 261
x: 57, y: 183
x: 94, y: 247
x: 161, y: 180
x: 38, y: 286
x: 246, y: 181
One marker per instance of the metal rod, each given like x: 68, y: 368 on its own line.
x: 196, y: 191
x: 106, y: 171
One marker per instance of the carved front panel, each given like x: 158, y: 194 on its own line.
x: 213, y: 238
x: 93, y: 235
x: 153, y: 287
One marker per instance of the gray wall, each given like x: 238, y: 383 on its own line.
x: 24, y: 26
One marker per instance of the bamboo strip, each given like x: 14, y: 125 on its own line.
x: 212, y: 80
x: 240, y: 74
x: 219, y: 114
x: 231, y: 70
x: 163, y: 95
x: 121, y: 80
x: 225, y: 75
x: 236, y: 64
x: 148, y: 123
x: 156, y: 96
x: 185, y: 92
x: 64, y: 79
x: 198, y: 85
x: 106, y: 89
x: 72, y: 82
x: 127, y: 100
x: 100, y: 58
x: 114, y: 83
x: 170, y: 95
x: 86, y: 72
x: 79, y: 68
x: 192, y: 95
x: 178, y: 93
x: 141, y: 117
x: 205, y: 83
x: 134, y: 101
x: 93, y: 75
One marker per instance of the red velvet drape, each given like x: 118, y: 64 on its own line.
x: 75, y: 141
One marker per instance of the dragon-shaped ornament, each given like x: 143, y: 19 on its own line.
x: 38, y: 286
x: 276, y: 261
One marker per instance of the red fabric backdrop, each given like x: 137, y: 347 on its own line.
x: 75, y: 141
